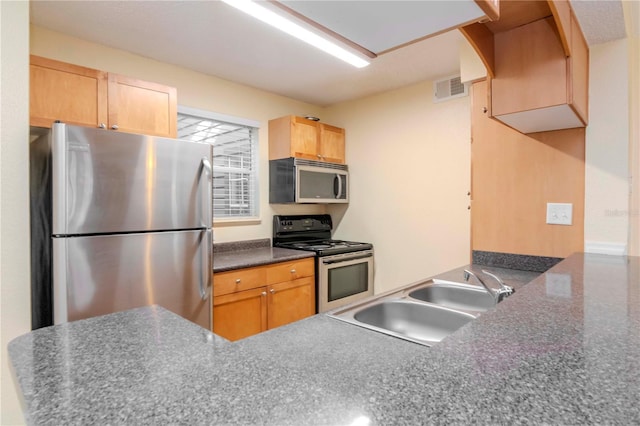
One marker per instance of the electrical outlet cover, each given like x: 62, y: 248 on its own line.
x: 560, y: 213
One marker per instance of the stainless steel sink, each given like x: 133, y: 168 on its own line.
x: 454, y: 296
x: 418, y: 322
x: 425, y: 312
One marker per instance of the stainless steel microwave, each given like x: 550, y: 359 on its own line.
x: 294, y: 180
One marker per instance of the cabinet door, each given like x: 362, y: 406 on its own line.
x: 332, y: 144
x: 291, y: 301
x: 138, y: 106
x: 531, y: 69
x: 239, y: 315
x: 66, y: 92
x: 304, y: 138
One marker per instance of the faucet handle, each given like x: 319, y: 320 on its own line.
x: 495, y: 277
x: 505, y: 290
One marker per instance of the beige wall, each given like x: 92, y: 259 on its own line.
x: 195, y: 90
x: 632, y: 16
x: 15, y: 317
x: 471, y: 66
x: 607, y: 150
x: 409, y: 169
x: 612, y: 216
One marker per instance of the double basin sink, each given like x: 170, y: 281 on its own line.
x: 423, y: 313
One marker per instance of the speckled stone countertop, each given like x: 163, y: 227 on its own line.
x: 245, y: 254
x: 563, y: 349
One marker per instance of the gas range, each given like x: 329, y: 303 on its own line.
x: 311, y: 233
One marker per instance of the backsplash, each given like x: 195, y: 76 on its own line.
x: 241, y: 245
x: 514, y: 261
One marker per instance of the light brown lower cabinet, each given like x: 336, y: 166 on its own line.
x: 251, y: 300
x: 290, y: 301
x: 239, y: 315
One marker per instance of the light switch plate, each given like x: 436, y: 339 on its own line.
x: 560, y: 213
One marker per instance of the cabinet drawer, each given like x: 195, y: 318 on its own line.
x: 238, y: 280
x: 288, y: 271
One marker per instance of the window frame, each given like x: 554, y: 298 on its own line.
x: 255, y: 144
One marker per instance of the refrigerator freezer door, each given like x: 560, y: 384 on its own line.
x: 97, y: 275
x: 111, y: 182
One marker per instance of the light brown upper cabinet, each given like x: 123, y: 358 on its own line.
x: 538, y: 63
x: 537, y: 88
x: 83, y: 96
x: 299, y: 137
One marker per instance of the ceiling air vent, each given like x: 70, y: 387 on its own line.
x: 449, y: 88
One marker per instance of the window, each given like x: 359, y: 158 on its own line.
x: 235, y: 159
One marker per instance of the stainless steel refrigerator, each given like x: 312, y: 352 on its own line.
x: 118, y: 221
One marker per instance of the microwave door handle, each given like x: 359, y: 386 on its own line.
x: 339, y: 192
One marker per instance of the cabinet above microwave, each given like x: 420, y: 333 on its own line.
x: 292, y: 180
x: 299, y: 137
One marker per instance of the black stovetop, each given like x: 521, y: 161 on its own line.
x: 311, y: 233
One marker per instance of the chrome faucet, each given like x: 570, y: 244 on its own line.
x: 499, y: 294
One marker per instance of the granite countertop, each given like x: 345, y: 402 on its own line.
x: 245, y: 254
x: 563, y: 349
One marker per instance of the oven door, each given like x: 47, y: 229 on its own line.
x: 344, y: 278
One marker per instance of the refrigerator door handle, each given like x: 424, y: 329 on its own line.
x: 207, y: 213
x: 206, y: 271
x: 59, y: 145
x: 60, y: 259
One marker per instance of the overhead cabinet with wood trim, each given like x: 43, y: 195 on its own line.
x: 87, y: 97
x: 252, y: 300
x: 537, y: 60
x: 299, y: 137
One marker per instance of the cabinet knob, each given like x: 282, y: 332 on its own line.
x: 264, y: 293
x: 102, y: 126
x: 237, y: 280
x: 468, y: 207
x: 114, y: 127
x: 484, y: 109
x: 293, y: 271
x: 272, y: 291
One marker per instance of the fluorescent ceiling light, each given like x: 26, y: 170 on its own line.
x: 289, y: 27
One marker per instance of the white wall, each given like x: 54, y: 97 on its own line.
x: 195, y: 90
x: 632, y: 18
x: 607, y: 150
x: 409, y: 164
x: 15, y: 308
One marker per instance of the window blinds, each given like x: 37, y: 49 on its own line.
x: 235, y: 191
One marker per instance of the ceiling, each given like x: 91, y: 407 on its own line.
x: 216, y: 39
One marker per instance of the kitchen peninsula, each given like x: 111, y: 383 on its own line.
x: 563, y: 350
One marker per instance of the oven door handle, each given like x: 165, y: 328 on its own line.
x: 346, y: 259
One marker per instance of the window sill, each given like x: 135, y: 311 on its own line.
x: 221, y: 223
